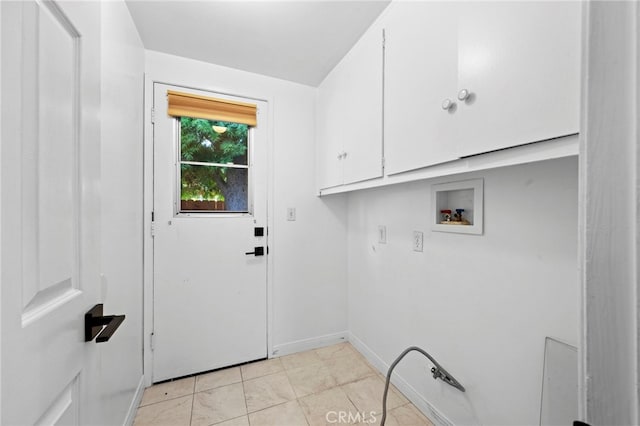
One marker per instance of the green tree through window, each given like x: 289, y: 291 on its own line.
x: 213, y: 164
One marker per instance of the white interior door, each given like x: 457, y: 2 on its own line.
x: 51, y: 210
x: 210, y: 297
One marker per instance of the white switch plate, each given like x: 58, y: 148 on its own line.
x: 291, y: 213
x: 382, y: 234
x: 418, y: 241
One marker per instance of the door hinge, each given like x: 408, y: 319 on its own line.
x: 152, y: 341
x: 153, y: 225
x: 153, y: 116
x: 384, y: 38
x: 384, y: 163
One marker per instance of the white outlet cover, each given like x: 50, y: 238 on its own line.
x: 418, y: 241
x: 382, y: 234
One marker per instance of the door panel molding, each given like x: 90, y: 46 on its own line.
x: 47, y: 301
x: 50, y: 168
x: 64, y: 409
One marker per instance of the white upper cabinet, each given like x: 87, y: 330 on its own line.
x: 468, y: 78
x: 329, y: 132
x: 421, y: 66
x: 349, y: 126
x: 520, y: 64
x: 460, y: 79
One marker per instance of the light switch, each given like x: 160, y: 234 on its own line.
x: 291, y: 213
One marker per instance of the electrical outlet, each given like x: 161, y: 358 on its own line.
x: 291, y: 213
x: 382, y: 234
x: 418, y: 240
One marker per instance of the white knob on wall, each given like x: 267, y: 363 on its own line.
x: 447, y: 104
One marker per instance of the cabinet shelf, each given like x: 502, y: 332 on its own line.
x: 567, y: 146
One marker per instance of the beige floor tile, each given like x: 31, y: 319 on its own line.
x: 366, y: 395
x: 301, y: 359
x: 335, y: 351
x: 407, y: 415
x: 347, y: 369
x: 238, y: 421
x: 218, y: 378
x: 324, y: 408
x: 287, y: 414
x: 174, y: 412
x: 218, y: 405
x: 167, y: 390
x: 261, y: 368
x: 268, y: 391
x: 313, y: 378
x: 334, y: 385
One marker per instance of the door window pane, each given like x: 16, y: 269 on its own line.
x: 214, y: 166
x: 213, y: 141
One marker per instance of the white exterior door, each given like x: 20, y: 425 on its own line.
x: 210, y: 297
x: 50, y: 210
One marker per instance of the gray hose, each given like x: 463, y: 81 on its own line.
x: 437, y: 370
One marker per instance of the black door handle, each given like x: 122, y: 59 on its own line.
x: 257, y: 251
x: 94, y: 321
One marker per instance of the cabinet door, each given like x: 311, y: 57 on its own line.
x: 361, y: 107
x: 329, y: 136
x: 420, y: 73
x: 521, y: 63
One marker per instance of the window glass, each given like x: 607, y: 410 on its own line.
x: 214, y: 166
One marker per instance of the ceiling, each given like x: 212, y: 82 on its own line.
x: 299, y: 41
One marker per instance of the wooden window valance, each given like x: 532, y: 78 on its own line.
x: 196, y: 106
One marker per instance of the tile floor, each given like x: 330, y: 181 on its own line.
x: 308, y: 388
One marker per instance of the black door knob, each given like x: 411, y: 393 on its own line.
x: 95, y: 320
x: 257, y: 251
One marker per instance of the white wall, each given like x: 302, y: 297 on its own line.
x: 610, y: 213
x: 307, y: 277
x: 0, y: 212
x: 481, y: 305
x: 122, y: 98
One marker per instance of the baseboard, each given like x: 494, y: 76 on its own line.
x: 308, y: 344
x: 135, y: 403
x: 403, y: 386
